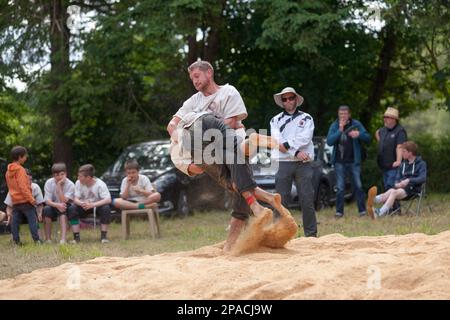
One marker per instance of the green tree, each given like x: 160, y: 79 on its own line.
x: 20, y: 124
x: 36, y: 33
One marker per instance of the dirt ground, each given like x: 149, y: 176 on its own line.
x: 413, y: 266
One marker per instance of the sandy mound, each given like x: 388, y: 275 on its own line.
x: 414, y: 266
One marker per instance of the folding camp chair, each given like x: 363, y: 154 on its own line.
x: 419, y: 198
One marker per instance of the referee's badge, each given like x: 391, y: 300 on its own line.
x: 301, y: 124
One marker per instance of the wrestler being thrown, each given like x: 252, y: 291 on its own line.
x: 235, y: 176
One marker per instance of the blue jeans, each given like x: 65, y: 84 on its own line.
x: 29, y: 211
x: 389, y: 178
x: 355, y: 169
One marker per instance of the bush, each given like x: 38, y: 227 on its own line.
x: 371, y: 174
x: 436, y: 152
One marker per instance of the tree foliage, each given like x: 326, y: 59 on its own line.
x: 120, y: 81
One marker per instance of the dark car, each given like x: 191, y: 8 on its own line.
x: 324, y: 179
x: 179, y: 193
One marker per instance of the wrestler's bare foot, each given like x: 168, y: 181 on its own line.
x: 257, y: 209
x: 255, y: 140
x: 274, y: 199
x: 262, y: 141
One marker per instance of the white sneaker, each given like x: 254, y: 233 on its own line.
x: 73, y: 242
x: 105, y: 241
x: 62, y: 241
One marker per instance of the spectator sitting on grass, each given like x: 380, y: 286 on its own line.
x: 136, y: 191
x: 411, y: 174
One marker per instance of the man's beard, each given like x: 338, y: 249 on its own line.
x: 203, y: 86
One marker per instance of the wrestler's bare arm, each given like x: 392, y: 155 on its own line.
x: 173, y: 125
x: 194, y: 170
x: 234, y: 123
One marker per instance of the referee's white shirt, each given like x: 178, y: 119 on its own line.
x: 296, y: 130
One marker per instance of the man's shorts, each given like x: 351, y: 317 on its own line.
x: 53, y: 213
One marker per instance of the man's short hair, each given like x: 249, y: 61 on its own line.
x: 344, y: 108
x: 59, y: 167
x: 132, y: 164
x: 201, y: 65
x: 17, y: 152
x: 410, y: 146
x: 87, y: 170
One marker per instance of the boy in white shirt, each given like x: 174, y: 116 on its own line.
x: 136, y: 191
x: 90, y: 193
x: 59, y: 194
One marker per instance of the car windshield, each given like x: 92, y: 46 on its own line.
x: 150, y: 156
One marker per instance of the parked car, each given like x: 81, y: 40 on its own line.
x: 180, y: 194
x: 324, y: 179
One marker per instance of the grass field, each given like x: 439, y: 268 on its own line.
x: 204, y: 228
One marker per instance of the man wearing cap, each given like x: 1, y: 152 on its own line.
x: 345, y: 135
x: 390, y: 139
x: 294, y: 129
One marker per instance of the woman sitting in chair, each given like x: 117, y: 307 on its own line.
x: 411, y: 175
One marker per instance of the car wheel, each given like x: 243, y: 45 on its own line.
x: 183, y: 208
x: 323, y: 196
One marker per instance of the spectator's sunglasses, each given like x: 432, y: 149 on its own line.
x: 291, y: 98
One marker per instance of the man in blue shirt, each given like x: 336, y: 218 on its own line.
x: 345, y: 135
